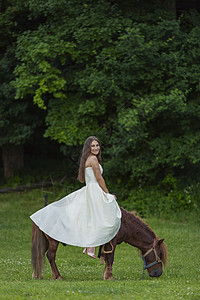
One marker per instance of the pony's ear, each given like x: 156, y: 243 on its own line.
x: 160, y: 241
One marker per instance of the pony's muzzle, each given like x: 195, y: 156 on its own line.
x: 155, y: 272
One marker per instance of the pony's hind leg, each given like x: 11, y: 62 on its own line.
x: 51, y: 255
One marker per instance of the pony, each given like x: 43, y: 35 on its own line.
x: 133, y: 231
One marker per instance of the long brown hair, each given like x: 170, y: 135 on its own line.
x: 85, y: 154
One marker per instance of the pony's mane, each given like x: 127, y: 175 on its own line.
x: 164, y: 253
x: 147, y: 228
x: 139, y: 221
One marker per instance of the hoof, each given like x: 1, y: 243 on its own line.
x: 58, y: 278
x: 108, y: 278
x: 34, y: 276
x: 111, y: 278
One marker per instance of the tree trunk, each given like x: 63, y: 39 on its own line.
x: 13, y: 159
x: 169, y: 5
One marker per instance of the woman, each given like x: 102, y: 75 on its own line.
x: 88, y: 217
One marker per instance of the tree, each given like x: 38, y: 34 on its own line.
x: 18, y: 119
x: 98, y: 68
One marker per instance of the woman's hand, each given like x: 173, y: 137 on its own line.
x: 115, y: 196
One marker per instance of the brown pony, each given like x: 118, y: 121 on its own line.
x: 132, y: 231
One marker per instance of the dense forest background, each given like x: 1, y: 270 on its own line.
x: 125, y: 71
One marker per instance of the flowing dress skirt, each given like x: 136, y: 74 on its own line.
x: 87, y: 217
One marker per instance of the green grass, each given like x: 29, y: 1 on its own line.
x: 83, y: 275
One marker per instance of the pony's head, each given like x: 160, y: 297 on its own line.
x: 155, y: 258
x: 138, y: 234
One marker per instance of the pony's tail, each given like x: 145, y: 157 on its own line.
x: 38, y: 248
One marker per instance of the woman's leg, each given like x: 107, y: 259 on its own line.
x: 90, y: 251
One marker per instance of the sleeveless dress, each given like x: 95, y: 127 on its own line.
x: 88, y: 217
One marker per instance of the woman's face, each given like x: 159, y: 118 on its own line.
x: 94, y: 148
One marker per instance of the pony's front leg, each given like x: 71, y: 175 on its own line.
x: 109, y: 259
x: 51, y: 255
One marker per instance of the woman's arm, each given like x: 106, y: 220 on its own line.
x: 92, y: 161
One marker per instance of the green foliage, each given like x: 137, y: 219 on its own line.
x: 18, y: 119
x: 167, y: 199
x: 102, y: 69
x: 151, y: 201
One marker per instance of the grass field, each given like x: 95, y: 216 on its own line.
x: 83, y: 275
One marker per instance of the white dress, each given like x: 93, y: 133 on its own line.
x: 87, y: 217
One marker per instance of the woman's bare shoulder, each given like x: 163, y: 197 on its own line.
x: 91, y: 161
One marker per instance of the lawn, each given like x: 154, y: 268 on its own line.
x: 82, y: 274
